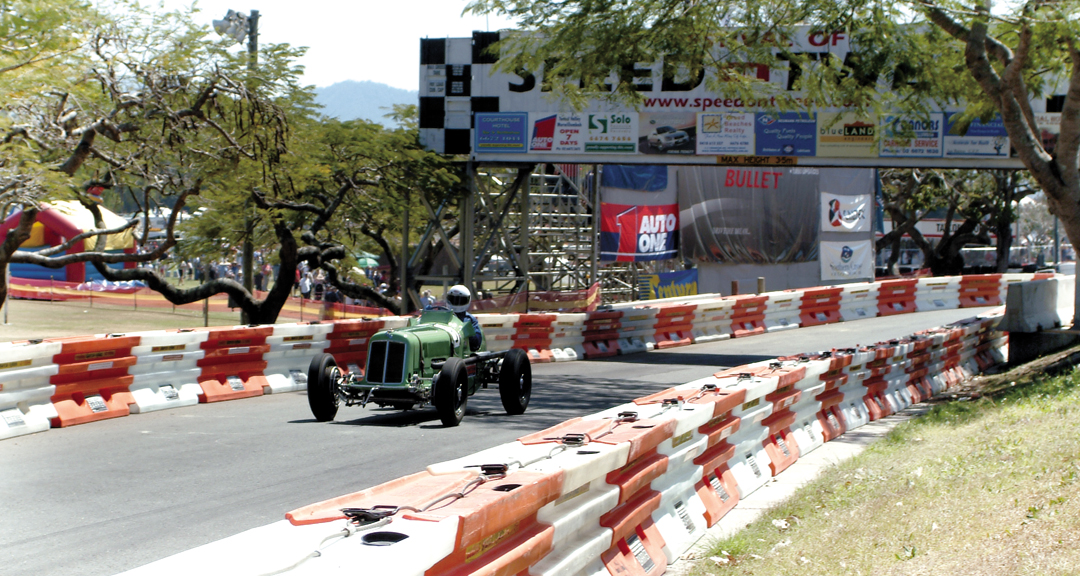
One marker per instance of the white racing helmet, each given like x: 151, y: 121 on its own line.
x: 458, y: 298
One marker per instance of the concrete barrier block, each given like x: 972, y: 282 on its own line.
x: 1039, y: 305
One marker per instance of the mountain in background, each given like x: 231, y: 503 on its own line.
x: 369, y: 100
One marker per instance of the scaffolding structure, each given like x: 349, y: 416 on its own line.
x: 526, y: 227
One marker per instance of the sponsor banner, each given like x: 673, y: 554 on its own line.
x: 913, y: 137
x: 725, y: 133
x: 638, y: 233
x: 846, y: 135
x: 559, y: 133
x: 502, y: 132
x: 928, y: 227
x: 742, y: 215
x: 786, y: 134
x: 668, y: 285
x: 674, y: 121
x: 1049, y: 128
x: 847, y: 260
x: 845, y: 213
x: 611, y: 132
x: 989, y: 139
x: 639, y: 213
x: 667, y: 133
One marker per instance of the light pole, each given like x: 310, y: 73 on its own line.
x: 238, y: 26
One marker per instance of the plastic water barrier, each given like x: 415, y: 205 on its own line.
x: 820, y: 306
x: 233, y: 365
x: 783, y: 310
x: 166, y: 372
x: 859, y: 301
x: 97, y: 377
x: 937, y: 294
x: 25, y: 390
x: 92, y: 382
x: 622, y: 491
x: 291, y: 349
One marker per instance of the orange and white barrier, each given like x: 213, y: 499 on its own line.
x: 166, y: 372
x: 567, y: 337
x: 25, y: 390
x: 674, y: 325
x: 820, y: 306
x: 638, y: 327
x: 896, y: 297
x: 623, y: 491
x: 168, y: 368
x: 980, y: 290
x: 937, y: 293
x: 93, y: 380
x: 712, y: 320
x: 291, y: 349
x: 233, y: 365
x: 601, y: 333
x: 748, y: 315
x: 859, y: 301
x: 783, y: 310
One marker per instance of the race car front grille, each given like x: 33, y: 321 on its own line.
x: 376, y: 362
x: 395, y: 363
x: 386, y: 362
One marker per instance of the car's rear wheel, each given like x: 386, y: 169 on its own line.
x: 451, y: 391
x: 515, y: 381
x: 322, y: 388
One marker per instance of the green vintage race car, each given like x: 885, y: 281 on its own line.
x: 427, y: 362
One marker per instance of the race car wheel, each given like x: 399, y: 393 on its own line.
x: 451, y: 392
x: 515, y: 381
x: 322, y: 388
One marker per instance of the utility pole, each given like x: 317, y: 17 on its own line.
x: 248, y: 262
x: 237, y: 26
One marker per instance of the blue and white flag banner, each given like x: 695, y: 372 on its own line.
x: 847, y: 260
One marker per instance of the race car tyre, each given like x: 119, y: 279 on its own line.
x: 515, y: 381
x: 322, y: 389
x: 451, y: 391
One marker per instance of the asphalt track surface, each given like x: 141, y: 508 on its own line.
x: 106, y: 497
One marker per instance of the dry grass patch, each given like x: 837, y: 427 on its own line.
x: 985, y: 486
x: 33, y: 319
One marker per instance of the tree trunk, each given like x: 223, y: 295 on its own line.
x: 894, y: 257
x: 263, y: 311
x: 1004, y: 245
x: 15, y: 237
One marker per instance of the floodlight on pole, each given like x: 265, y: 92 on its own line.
x: 235, y: 26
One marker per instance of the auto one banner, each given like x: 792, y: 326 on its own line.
x: 845, y: 213
x: 847, y: 260
x: 639, y: 213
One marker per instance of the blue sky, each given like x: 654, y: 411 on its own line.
x: 358, y: 40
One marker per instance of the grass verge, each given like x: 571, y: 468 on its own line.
x: 31, y: 319
x: 985, y: 485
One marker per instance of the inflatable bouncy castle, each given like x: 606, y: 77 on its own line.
x: 59, y: 221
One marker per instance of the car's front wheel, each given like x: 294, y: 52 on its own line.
x: 515, y: 381
x: 451, y: 391
x: 322, y: 388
